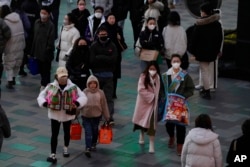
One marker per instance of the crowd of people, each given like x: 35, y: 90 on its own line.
x: 89, y: 51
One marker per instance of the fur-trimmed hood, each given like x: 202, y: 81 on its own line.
x: 209, y: 19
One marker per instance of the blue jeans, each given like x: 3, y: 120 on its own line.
x: 90, y: 126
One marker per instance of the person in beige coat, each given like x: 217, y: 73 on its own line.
x: 92, y: 113
x: 145, y: 114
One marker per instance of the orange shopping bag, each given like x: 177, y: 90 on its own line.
x: 75, y: 130
x: 105, y: 134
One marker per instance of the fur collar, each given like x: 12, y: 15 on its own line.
x: 208, y: 20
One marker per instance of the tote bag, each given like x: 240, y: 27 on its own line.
x: 33, y: 66
x: 105, y: 134
x: 148, y: 55
x: 75, y: 130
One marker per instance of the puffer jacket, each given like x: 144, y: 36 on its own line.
x: 201, y: 149
x: 58, y: 112
x: 69, y: 35
x: 5, y: 34
x: 97, y: 103
x: 16, y: 44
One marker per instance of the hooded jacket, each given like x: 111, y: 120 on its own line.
x: 201, y: 149
x: 16, y: 44
x: 97, y: 103
x: 207, y: 38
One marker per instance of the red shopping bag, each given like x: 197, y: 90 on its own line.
x: 105, y: 134
x: 75, y: 130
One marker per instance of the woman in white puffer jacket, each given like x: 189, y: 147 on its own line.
x: 67, y: 38
x: 202, y: 147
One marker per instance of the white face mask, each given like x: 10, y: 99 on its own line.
x: 176, y: 65
x: 152, y: 72
x: 98, y: 15
x: 151, y: 27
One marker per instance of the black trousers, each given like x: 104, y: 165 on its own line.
x: 44, y: 69
x: 180, y: 131
x: 137, y: 26
x: 55, y: 128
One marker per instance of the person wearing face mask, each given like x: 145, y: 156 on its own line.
x: 115, y: 33
x: 177, y: 81
x: 103, y: 57
x: 78, y: 63
x: 81, y: 14
x: 62, y: 98
x: 150, y: 38
x: 94, y: 22
x: 145, y: 113
x: 67, y: 38
x: 43, y: 45
x: 175, y: 38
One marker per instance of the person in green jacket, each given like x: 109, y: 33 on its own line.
x: 178, y: 82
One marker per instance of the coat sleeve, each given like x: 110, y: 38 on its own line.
x: 145, y: 94
x: 4, y: 124
x: 231, y: 154
x: 41, y: 99
x: 189, y: 87
x: 82, y: 99
x: 217, y: 154
x: 184, y: 151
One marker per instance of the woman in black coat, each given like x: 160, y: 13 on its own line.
x: 81, y: 14
x: 150, y: 38
x: 78, y: 63
x: 115, y: 33
x: 206, y: 43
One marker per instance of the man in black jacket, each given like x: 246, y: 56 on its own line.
x: 103, y: 56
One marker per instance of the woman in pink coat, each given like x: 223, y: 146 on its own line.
x: 145, y: 114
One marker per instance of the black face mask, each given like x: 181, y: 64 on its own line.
x: 104, y: 38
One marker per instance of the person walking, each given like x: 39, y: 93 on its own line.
x: 145, y: 113
x: 43, y: 45
x: 94, y: 22
x: 81, y: 14
x: 78, y: 63
x: 115, y: 33
x: 120, y: 10
x: 175, y: 38
x: 62, y: 98
x: 150, y: 38
x: 4, y: 37
x: 202, y: 147
x: 206, y: 44
x: 13, y: 52
x: 105, y: 4
x: 92, y: 112
x: 103, y: 57
x: 179, y: 82
x: 67, y: 38
x: 240, y: 146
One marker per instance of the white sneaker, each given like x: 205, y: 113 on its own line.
x: 198, y: 87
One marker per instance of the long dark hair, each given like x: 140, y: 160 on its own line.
x: 203, y: 121
x: 146, y: 73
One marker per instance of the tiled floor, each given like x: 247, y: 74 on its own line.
x: 29, y: 143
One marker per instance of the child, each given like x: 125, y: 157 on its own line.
x: 92, y: 112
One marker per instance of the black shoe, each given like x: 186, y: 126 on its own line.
x: 206, y: 94
x: 9, y: 85
x: 22, y: 73
x: 93, y: 148
x: 52, y: 158
x: 14, y: 81
x: 87, y: 153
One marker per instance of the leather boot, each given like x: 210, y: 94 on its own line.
x: 151, y: 145
x: 179, y: 149
x: 171, y: 142
x: 9, y: 85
